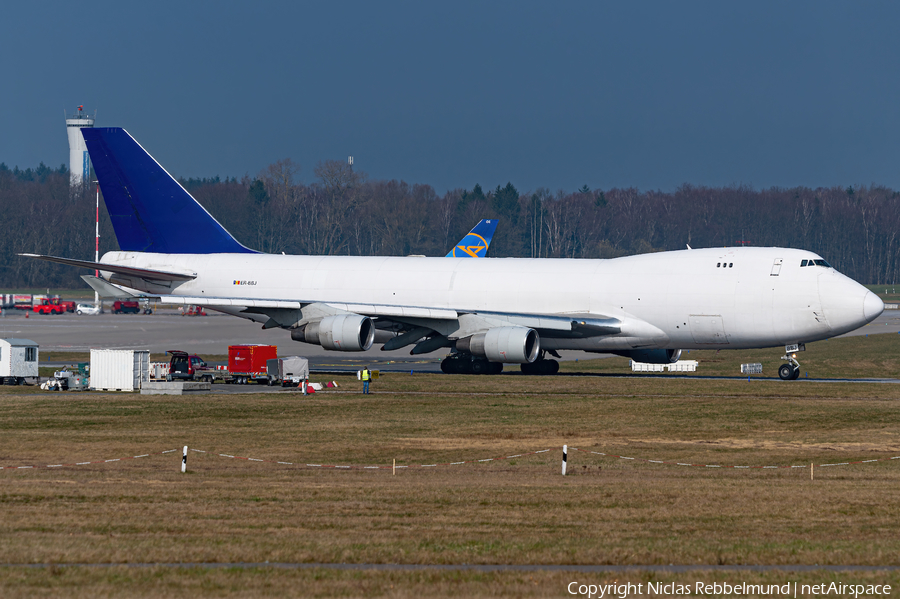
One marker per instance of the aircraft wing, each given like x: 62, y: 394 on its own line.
x: 439, y: 320
x: 431, y: 321
x: 476, y: 242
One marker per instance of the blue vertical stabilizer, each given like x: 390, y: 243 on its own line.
x: 150, y: 211
x: 477, y: 242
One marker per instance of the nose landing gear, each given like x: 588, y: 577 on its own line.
x: 791, y: 371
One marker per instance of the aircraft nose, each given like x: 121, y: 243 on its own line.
x: 847, y: 304
x: 872, y: 307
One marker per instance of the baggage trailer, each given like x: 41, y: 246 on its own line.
x: 287, y: 372
x: 247, y: 363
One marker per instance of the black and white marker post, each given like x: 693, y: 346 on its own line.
x: 565, y: 454
x: 184, y: 460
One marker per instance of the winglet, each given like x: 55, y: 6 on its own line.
x: 150, y: 211
x: 476, y: 243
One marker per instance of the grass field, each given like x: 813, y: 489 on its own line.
x: 510, y: 511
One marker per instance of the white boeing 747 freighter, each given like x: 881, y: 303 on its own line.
x: 487, y: 312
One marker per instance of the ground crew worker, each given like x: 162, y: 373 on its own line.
x: 366, y: 376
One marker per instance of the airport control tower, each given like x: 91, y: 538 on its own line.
x: 79, y: 161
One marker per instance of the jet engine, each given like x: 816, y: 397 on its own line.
x: 652, y: 356
x: 519, y: 345
x: 344, y: 332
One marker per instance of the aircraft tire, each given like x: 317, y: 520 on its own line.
x: 541, y: 367
x: 796, y: 374
x: 786, y: 372
x: 449, y: 366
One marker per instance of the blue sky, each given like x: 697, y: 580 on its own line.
x: 643, y: 94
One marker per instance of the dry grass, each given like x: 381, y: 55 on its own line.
x: 518, y: 511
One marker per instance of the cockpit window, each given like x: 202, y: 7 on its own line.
x: 814, y: 263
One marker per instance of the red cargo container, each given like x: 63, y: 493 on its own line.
x: 248, y: 362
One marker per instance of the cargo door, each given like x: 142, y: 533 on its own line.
x: 708, y: 329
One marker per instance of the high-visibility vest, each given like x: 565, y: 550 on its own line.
x: 365, y: 375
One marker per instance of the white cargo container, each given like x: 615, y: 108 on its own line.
x: 119, y: 369
x: 18, y: 361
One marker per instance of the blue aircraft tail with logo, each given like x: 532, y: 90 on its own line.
x: 150, y: 211
x: 477, y: 242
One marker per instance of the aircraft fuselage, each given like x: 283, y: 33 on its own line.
x: 729, y: 298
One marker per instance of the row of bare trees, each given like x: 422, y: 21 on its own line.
x: 344, y: 212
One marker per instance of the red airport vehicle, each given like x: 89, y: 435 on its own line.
x: 247, y: 363
x: 69, y: 305
x: 125, y: 307
x: 48, y: 306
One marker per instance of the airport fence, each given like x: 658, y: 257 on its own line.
x: 394, y: 466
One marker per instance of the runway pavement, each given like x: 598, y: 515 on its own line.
x: 211, y: 335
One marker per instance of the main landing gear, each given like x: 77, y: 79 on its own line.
x: 465, y: 363
x: 791, y: 371
x: 461, y: 363
x: 541, y: 366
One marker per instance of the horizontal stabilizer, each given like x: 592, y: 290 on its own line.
x: 106, y: 290
x: 143, y: 273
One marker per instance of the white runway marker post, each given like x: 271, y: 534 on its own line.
x: 565, y: 453
x: 184, y: 459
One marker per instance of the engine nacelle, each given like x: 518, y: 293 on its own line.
x: 344, y: 332
x: 652, y: 356
x: 515, y: 345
